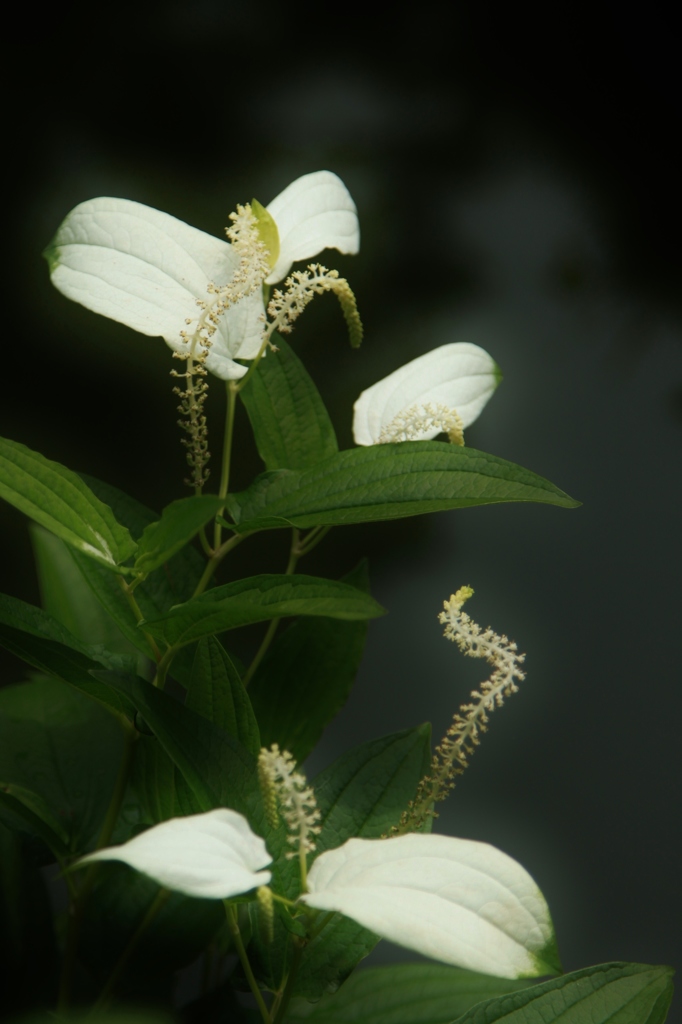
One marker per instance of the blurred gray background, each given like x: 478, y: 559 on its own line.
x: 518, y: 187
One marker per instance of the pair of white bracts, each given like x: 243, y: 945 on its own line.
x: 147, y: 270
x: 458, y: 901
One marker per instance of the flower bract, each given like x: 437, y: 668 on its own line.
x: 458, y: 901
x: 417, y: 401
x: 213, y: 855
x: 150, y: 271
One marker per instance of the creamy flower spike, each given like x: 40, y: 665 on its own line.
x: 160, y: 276
x: 442, y: 391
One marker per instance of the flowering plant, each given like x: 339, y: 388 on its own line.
x: 163, y: 776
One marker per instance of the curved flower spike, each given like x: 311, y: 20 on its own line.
x: 417, y: 401
x: 150, y: 271
x: 458, y: 901
x: 213, y: 855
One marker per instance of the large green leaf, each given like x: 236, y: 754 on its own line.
x: 179, y: 523
x: 288, y: 417
x: 25, y: 810
x: 170, y: 584
x: 306, y: 677
x: 616, y: 993
x: 39, y: 640
x: 58, y: 499
x: 67, y: 597
x: 217, y: 693
x: 387, y: 481
x: 64, y: 748
x: 362, y: 793
x: 257, y: 599
x: 405, y: 994
x: 218, y: 770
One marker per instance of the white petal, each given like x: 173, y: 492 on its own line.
x: 458, y: 901
x: 315, y: 212
x: 213, y: 855
x: 136, y: 265
x: 460, y: 376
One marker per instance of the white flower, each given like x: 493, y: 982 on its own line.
x: 458, y: 901
x: 443, y: 390
x: 213, y: 855
x: 149, y: 271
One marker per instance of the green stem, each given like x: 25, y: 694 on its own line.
x: 231, y: 912
x: 77, y: 907
x: 163, y: 666
x: 115, y: 976
x: 272, y: 628
x: 216, y: 558
x: 232, y: 391
x: 289, y: 987
x: 137, y: 612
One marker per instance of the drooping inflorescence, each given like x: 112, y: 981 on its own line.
x: 251, y: 271
x: 301, y: 287
x: 452, y: 755
x: 412, y: 423
x: 287, y: 788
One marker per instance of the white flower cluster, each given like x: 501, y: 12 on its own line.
x: 279, y: 779
x: 418, y: 421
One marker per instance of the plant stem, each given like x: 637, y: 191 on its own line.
x: 294, y: 556
x: 78, y: 905
x: 115, y: 976
x: 137, y: 612
x: 289, y: 987
x: 232, y: 391
x: 233, y: 925
x: 216, y: 558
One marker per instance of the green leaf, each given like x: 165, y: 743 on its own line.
x: 171, y: 584
x: 218, y: 770
x: 387, y: 481
x: 44, y: 643
x: 217, y: 693
x: 306, y: 677
x: 64, y: 748
x: 257, y: 599
x: 67, y: 597
x: 290, y: 423
x: 153, y: 780
x: 363, y: 793
x: 179, y: 523
x: 58, y: 499
x: 26, y: 810
x: 616, y: 993
x: 406, y: 994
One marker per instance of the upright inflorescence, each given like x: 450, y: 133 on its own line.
x: 282, y: 785
x: 301, y: 287
x: 452, y: 755
x: 412, y: 423
x: 251, y: 271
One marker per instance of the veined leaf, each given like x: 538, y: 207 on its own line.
x: 258, y: 599
x: 217, y: 693
x: 291, y: 425
x: 616, y: 993
x: 22, y: 807
x: 387, y: 481
x: 406, y: 994
x: 179, y: 523
x: 39, y: 640
x: 58, y: 499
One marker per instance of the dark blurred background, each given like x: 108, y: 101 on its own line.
x: 517, y: 180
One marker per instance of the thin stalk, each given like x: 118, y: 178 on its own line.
x: 162, y: 668
x: 115, y: 976
x: 233, y: 925
x: 232, y: 390
x: 313, y: 539
x: 78, y: 904
x: 272, y: 628
x: 289, y: 987
x: 216, y: 558
x: 137, y: 612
